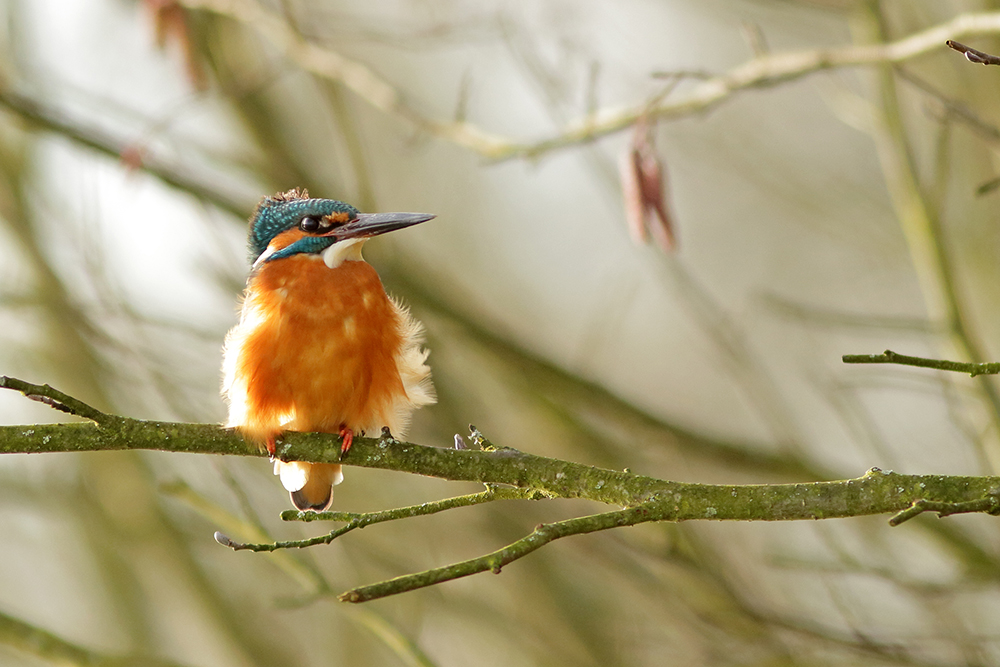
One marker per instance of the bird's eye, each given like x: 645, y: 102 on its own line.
x: 309, y: 224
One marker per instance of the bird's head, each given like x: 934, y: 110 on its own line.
x: 291, y: 223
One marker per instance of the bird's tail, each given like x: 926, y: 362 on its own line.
x: 309, y: 484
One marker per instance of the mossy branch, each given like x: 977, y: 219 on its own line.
x: 518, y: 474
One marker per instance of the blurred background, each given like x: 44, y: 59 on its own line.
x: 847, y: 211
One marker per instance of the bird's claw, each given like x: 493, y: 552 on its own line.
x: 346, y: 440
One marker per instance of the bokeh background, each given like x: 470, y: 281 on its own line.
x: 847, y: 211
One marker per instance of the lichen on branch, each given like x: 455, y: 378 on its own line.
x: 508, y: 474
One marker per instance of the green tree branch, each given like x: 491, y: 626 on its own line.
x: 645, y: 499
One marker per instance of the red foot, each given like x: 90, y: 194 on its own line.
x: 347, y: 439
x: 269, y: 443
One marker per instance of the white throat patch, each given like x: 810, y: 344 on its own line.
x: 263, y: 257
x: 345, y: 251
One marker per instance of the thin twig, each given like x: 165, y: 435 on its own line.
x: 306, y: 575
x: 651, y: 511
x: 973, y: 55
x: 224, y: 540
x: 491, y: 493
x: 890, y: 357
x: 494, y: 562
x: 360, y: 520
x: 989, y: 504
x: 56, y: 400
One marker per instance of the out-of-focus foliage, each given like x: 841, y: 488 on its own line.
x: 831, y: 214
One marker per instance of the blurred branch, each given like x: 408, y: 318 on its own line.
x: 764, y: 70
x: 953, y: 108
x: 755, y: 379
x: 310, y: 579
x: 307, y: 575
x: 827, y: 318
x: 36, y: 113
x: 598, y: 398
x: 45, y: 645
x: 577, y: 395
x: 890, y: 357
x: 354, y: 75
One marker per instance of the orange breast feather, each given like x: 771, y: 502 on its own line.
x: 319, y: 350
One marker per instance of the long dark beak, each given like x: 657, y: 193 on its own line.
x: 373, y: 224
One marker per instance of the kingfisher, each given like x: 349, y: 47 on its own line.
x: 320, y: 346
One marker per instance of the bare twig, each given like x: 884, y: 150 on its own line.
x: 308, y: 577
x: 658, y: 509
x: 56, y: 400
x: 677, y: 75
x: 225, y: 541
x: 890, y: 357
x: 989, y: 504
x: 542, y: 535
x: 973, y: 55
x: 355, y: 520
